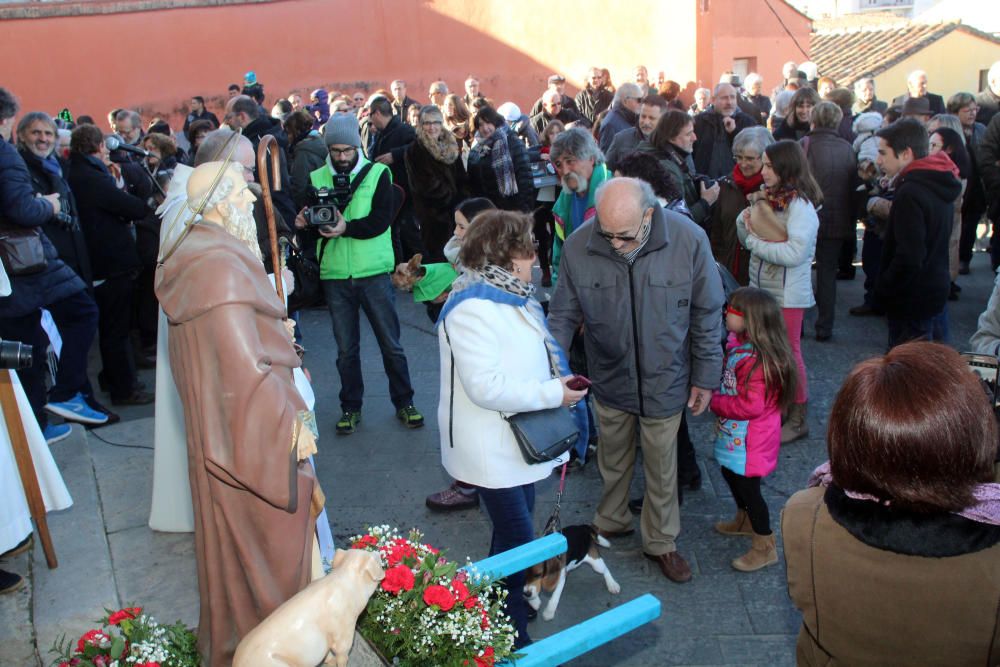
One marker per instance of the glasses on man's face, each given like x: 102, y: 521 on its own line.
x: 432, y: 123
x: 624, y: 238
x: 343, y: 152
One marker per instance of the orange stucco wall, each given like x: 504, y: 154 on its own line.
x: 730, y: 30
x: 156, y: 60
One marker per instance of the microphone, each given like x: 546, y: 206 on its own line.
x: 116, y: 143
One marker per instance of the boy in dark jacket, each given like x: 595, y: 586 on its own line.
x: 914, y: 280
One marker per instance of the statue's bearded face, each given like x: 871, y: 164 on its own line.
x: 237, y: 217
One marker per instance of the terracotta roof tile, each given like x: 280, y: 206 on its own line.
x: 848, y: 54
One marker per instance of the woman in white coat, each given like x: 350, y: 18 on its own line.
x: 779, y: 230
x: 497, y: 357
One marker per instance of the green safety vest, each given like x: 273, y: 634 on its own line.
x: 345, y: 257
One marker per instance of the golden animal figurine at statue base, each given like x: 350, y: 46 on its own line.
x: 303, y: 631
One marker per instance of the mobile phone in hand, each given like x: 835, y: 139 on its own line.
x: 578, y: 383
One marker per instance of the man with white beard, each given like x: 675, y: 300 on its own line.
x: 581, y: 168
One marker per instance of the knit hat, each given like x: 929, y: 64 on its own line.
x: 438, y: 278
x: 342, y: 129
x: 510, y: 112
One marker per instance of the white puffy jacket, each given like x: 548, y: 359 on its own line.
x: 501, y: 365
x: 785, y: 269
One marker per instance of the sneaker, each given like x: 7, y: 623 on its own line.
x: 410, y: 417
x: 138, y: 397
x: 348, y: 423
x: 77, y: 410
x: 452, y: 498
x: 113, y: 417
x: 10, y: 582
x: 56, y: 432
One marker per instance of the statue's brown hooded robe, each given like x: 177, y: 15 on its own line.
x: 232, y: 360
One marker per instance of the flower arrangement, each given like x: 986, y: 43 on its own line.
x: 428, y: 612
x: 129, y: 638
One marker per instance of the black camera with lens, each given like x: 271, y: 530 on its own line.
x: 331, y: 200
x: 14, y: 355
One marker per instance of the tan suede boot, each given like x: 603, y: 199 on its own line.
x: 740, y: 525
x: 763, y: 552
x: 795, y: 425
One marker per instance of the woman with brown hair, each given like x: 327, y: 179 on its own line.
x: 499, y: 358
x: 498, y: 164
x: 894, y: 555
x: 780, y: 230
x: 437, y: 181
x: 796, y: 123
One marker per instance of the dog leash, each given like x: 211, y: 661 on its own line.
x: 553, y: 524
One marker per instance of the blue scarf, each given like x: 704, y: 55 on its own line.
x: 474, y: 287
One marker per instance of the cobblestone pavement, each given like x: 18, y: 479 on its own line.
x: 381, y: 474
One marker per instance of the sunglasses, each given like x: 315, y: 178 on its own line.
x: 625, y: 238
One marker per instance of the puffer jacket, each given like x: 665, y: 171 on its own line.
x: 784, y: 269
x: 652, y: 328
x: 865, y: 142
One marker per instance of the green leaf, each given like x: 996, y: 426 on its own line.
x: 117, y: 647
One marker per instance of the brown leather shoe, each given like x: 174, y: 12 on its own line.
x: 672, y: 565
x: 612, y: 534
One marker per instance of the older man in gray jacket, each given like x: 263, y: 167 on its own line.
x: 643, y: 283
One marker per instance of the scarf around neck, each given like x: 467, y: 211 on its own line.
x: 779, y: 198
x: 747, y: 185
x: 986, y: 508
x: 498, y: 149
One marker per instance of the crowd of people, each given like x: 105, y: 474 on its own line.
x: 681, y: 243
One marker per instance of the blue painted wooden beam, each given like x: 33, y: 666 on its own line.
x: 522, y: 557
x: 588, y: 635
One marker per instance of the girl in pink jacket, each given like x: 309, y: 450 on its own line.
x: 757, y: 382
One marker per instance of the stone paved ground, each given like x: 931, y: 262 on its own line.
x: 108, y: 556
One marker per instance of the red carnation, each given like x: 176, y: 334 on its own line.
x: 470, y: 602
x: 149, y: 664
x: 123, y: 614
x: 461, y: 590
x: 398, y: 578
x: 365, y: 541
x: 440, y: 596
x: 400, y: 551
x: 91, y: 638
x: 486, y: 659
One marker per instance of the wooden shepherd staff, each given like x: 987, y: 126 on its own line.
x: 268, y: 144
x: 25, y: 465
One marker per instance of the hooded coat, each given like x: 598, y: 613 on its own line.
x: 321, y: 109
x: 914, y: 280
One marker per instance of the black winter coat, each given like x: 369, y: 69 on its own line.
x: 308, y: 155
x: 19, y: 207
x: 435, y: 189
x: 835, y: 168
x: 483, y: 182
x: 936, y: 102
x: 590, y: 103
x: 713, y: 149
x: 106, y: 216
x: 68, y: 240
x: 914, y: 279
x: 541, y: 119
x: 255, y: 131
x: 394, y: 138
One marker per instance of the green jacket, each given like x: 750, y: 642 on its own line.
x: 562, y: 212
x: 347, y: 256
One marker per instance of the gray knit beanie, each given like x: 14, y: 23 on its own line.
x: 342, y: 129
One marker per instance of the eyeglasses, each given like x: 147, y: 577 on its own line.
x: 431, y: 123
x: 343, y: 151
x: 745, y: 158
x: 624, y: 238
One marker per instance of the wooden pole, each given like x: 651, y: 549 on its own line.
x: 25, y: 465
x: 269, y: 144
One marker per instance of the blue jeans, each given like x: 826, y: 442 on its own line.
x: 931, y: 329
x: 377, y: 297
x: 510, y: 512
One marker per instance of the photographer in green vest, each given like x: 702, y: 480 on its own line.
x: 353, y: 210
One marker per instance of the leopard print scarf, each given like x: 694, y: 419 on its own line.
x: 443, y: 149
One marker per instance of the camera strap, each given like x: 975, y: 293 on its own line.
x: 355, y: 184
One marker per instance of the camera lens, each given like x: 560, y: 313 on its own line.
x: 323, y: 214
x: 14, y: 355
